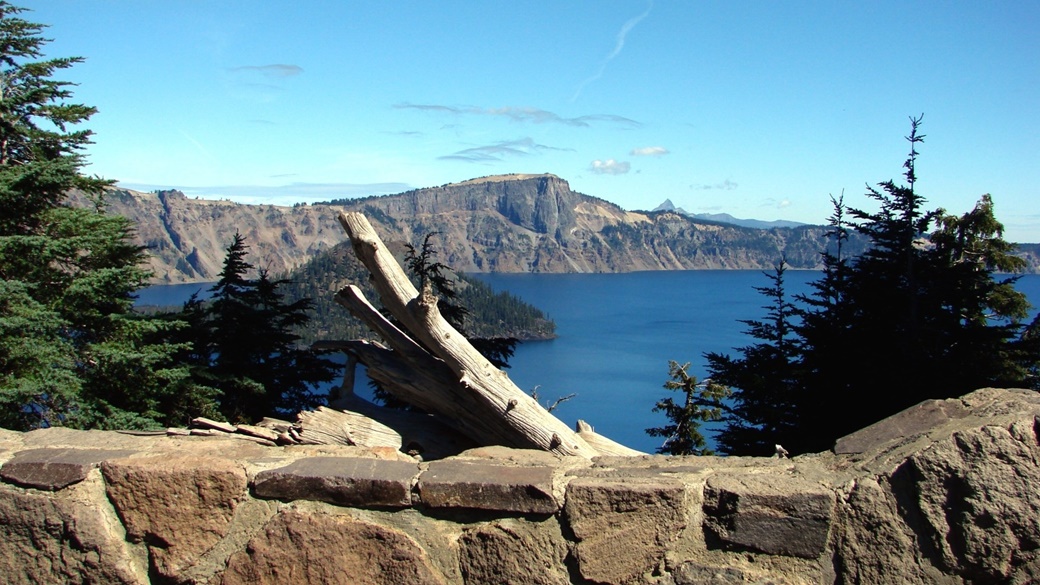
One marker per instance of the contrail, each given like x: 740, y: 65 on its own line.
x: 618, y: 46
x: 205, y: 152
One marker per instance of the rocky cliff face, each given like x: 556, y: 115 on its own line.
x: 508, y: 223
x: 944, y: 492
x: 188, y: 238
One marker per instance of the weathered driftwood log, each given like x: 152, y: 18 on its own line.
x: 374, y: 426
x: 439, y: 368
x: 601, y: 444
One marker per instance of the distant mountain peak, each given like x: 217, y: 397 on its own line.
x: 669, y: 206
x: 727, y: 218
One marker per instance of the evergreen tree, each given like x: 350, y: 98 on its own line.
x: 981, y: 312
x: 825, y: 337
x: 701, y: 402
x: 924, y: 314
x: 38, y: 380
x: 921, y: 314
x: 291, y: 370
x: 766, y: 380
x: 72, y: 350
x: 248, y: 333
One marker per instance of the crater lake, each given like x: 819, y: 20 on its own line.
x: 616, y: 334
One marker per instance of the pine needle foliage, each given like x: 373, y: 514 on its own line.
x: 928, y: 311
x: 247, y: 346
x: 72, y: 350
x: 700, y: 402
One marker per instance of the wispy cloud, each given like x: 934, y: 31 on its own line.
x: 778, y: 204
x: 261, y: 83
x: 619, y: 44
x: 500, y: 150
x: 432, y: 108
x: 649, y: 151
x: 610, y: 167
x: 522, y: 114
x: 274, y: 70
x: 726, y: 185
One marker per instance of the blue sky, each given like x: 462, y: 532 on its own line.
x: 757, y: 109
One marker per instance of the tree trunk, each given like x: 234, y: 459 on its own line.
x: 432, y: 366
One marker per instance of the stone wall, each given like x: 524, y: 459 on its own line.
x: 945, y: 492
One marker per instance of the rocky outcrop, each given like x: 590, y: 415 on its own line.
x: 946, y: 492
x: 187, y: 239
x: 506, y: 223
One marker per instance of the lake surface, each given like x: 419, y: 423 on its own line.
x: 617, y: 332
x: 172, y: 295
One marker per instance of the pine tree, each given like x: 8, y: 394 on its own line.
x: 248, y: 332
x: 766, y: 385
x: 292, y: 371
x: 925, y: 315
x: 38, y: 378
x: 68, y: 275
x: 701, y: 402
x: 921, y: 314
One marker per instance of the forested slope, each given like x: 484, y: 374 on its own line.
x: 491, y: 314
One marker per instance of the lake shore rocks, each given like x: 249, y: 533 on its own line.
x: 945, y: 492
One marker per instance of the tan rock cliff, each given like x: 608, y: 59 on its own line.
x: 510, y: 223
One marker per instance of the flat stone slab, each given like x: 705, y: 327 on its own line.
x: 345, y: 481
x: 486, y: 486
x: 54, y: 469
x: 774, y: 514
x: 916, y: 420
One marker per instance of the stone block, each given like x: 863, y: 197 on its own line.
x: 976, y: 500
x: 770, y: 513
x: 514, y: 551
x: 486, y: 486
x: 691, y: 573
x: 54, y: 469
x: 51, y: 538
x: 311, y: 548
x: 623, y: 526
x: 345, y: 481
x: 179, y: 505
x: 873, y: 541
x: 916, y: 420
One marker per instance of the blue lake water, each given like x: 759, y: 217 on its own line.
x: 617, y: 332
x: 172, y: 295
